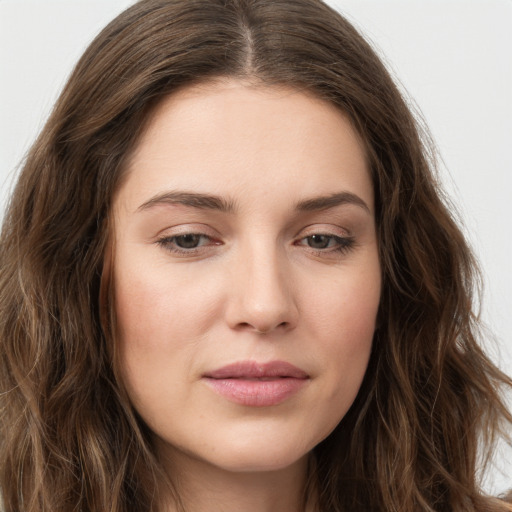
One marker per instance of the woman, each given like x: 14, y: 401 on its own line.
x: 229, y: 281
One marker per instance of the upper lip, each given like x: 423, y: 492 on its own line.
x: 253, y: 370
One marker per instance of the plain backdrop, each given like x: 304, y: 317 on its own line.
x: 453, y: 57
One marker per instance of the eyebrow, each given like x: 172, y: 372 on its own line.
x: 192, y: 199
x: 330, y: 201
x: 213, y: 202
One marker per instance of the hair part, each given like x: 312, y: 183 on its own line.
x: 70, y: 439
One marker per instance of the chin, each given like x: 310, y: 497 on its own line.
x: 260, y: 451
x: 264, y: 451
x: 271, y: 461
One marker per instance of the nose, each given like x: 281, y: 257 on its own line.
x: 261, y: 299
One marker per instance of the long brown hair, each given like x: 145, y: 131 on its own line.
x: 430, y: 404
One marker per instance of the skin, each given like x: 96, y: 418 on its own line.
x: 266, y: 281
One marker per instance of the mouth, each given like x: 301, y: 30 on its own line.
x: 255, y: 384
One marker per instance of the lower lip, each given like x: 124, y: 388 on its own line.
x: 256, y: 393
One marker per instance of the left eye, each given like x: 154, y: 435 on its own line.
x: 189, y: 241
x: 321, y: 241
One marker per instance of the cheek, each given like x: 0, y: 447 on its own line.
x: 345, y: 310
x: 344, y: 322
x: 160, y: 320
x: 156, y: 307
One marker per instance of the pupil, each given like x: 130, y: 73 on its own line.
x: 319, y: 241
x: 187, y: 241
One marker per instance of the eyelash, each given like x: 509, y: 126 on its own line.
x: 344, y: 244
x: 169, y: 244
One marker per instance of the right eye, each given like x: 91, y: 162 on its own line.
x: 187, y: 243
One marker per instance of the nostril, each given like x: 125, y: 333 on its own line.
x: 266, y: 330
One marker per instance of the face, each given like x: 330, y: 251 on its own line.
x: 246, y: 274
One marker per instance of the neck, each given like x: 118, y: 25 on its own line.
x: 202, y: 487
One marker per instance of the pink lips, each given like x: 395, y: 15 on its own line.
x: 258, y: 385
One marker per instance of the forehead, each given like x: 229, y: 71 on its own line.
x: 242, y: 139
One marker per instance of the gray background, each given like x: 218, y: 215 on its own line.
x: 453, y: 57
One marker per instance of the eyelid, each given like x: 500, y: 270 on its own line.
x: 343, y: 244
x: 324, y: 229
x: 168, y: 243
x: 195, y: 228
x: 343, y: 239
x: 166, y: 238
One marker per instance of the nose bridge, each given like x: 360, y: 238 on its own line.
x: 262, y: 297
